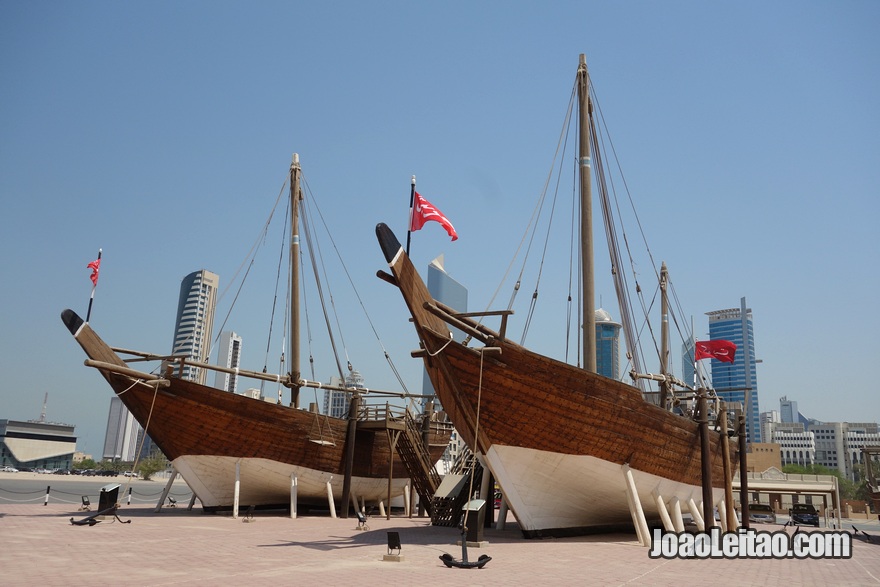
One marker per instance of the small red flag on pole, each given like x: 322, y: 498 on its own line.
x: 95, y: 266
x: 423, y: 211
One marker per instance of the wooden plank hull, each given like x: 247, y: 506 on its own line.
x: 205, y: 432
x: 555, y: 437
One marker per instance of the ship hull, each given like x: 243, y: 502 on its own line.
x: 556, y: 495
x: 215, y: 438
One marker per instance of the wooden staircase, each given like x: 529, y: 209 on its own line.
x: 412, y: 451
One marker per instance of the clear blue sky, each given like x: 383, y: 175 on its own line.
x: 749, y: 134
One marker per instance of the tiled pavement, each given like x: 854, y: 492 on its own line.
x: 39, y: 546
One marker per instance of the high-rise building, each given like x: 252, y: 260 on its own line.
x: 737, y: 382
x: 607, y: 345
x: 336, y: 402
x: 451, y: 293
x: 788, y: 411
x: 195, y: 322
x: 687, y: 360
x: 228, y: 356
x: 121, y: 438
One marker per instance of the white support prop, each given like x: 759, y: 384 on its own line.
x: 166, y: 491
x: 330, y: 501
x: 293, y: 495
x: 695, y: 512
x: 236, y: 490
x: 381, y: 508
x: 406, y: 502
x: 635, y: 506
x: 632, y: 508
x: 722, y: 515
x: 502, y: 514
x: 664, y: 513
x: 677, y: 520
x: 485, y: 491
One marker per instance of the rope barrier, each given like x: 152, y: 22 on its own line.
x: 91, y: 492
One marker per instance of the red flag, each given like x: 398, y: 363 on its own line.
x: 721, y: 350
x: 423, y: 211
x: 95, y: 266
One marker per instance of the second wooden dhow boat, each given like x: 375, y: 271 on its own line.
x: 219, y: 441
x: 572, y: 451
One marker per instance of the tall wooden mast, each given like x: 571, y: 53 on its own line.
x: 664, y: 337
x: 295, y: 373
x: 588, y: 301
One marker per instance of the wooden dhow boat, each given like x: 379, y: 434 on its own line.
x: 234, y: 450
x: 572, y: 451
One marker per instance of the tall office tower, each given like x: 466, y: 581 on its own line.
x: 195, y: 321
x: 687, y: 361
x: 229, y: 356
x: 788, y: 411
x: 737, y: 382
x: 336, y: 402
x: 447, y: 291
x: 121, y: 438
x: 607, y: 345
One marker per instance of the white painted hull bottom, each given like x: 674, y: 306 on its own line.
x: 263, y: 482
x: 553, y: 494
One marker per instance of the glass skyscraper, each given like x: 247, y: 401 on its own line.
x: 121, y: 439
x: 228, y: 356
x: 336, y: 402
x: 737, y: 382
x: 447, y: 291
x: 607, y: 345
x: 195, y: 322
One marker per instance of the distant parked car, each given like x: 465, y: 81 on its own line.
x: 761, y: 513
x: 804, y: 514
x: 130, y: 474
x: 9, y: 470
x: 735, y: 515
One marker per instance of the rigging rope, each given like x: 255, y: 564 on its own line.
x: 358, y: 297
x: 312, y: 257
x: 275, y: 296
x: 601, y: 145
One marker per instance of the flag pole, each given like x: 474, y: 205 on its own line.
x: 694, y: 340
x: 412, y: 195
x: 94, y: 286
